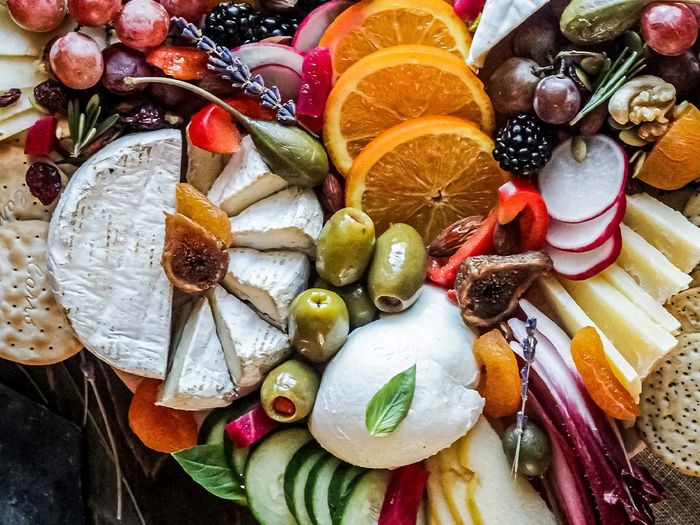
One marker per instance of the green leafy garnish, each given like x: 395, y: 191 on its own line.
x: 389, y: 406
x: 86, y: 126
x: 208, y: 466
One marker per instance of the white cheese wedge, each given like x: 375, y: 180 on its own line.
x: 246, y: 179
x: 268, y: 280
x: 197, y: 377
x: 624, y: 284
x: 499, y: 18
x: 251, y: 345
x: 666, y: 229
x: 18, y: 123
x: 573, y: 318
x: 105, y: 247
x: 648, y: 266
x: 640, y: 340
x: 20, y: 72
x: 203, y: 167
x: 288, y: 220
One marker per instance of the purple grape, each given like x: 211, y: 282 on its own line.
x: 557, y: 99
x: 512, y: 86
x: 683, y: 71
x: 120, y: 62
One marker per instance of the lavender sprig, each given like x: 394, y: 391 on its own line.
x: 529, y: 347
x: 232, y: 68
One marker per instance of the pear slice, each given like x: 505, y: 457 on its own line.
x: 439, y: 512
x: 455, y: 480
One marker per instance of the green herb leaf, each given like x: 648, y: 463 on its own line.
x: 208, y: 466
x: 388, y: 407
x: 86, y: 126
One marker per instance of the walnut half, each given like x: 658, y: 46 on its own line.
x: 646, y: 98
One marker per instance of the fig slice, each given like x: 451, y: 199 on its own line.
x: 194, y: 259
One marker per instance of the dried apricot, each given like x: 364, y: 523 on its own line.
x: 183, y: 63
x: 160, y: 428
x: 500, y: 379
x: 602, y: 385
x: 194, y: 204
x: 193, y: 259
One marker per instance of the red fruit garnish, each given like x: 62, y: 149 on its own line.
x: 183, y: 63
x: 250, y: 427
x: 403, y: 495
x: 251, y: 107
x: 316, y: 82
x: 44, y: 182
x: 41, y: 137
x: 469, y: 10
x: 212, y: 129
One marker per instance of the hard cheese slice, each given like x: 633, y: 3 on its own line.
x: 105, y: 246
x: 245, y: 180
x: 648, y: 266
x: 666, y: 229
x: 203, y: 167
x: 16, y: 41
x: 197, y: 377
x: 268, y: 280
x: 18, y: 122
x: 288, y: 220
x: 252, y: 346
x: 573, y: 318
x: 20, y: 72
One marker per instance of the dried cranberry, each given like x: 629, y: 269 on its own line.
x: 52, y: 95
x: 10, y: 97
x: 44, y: 182
x: 146, y: 117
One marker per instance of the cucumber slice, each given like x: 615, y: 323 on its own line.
x: 316, y: 492
x: 364, y: 499
x: 237, y: 458
x: 295, y: 478
x: 342, y: 477
x: 264, y: 475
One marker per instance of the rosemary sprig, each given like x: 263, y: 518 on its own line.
x: 86, y: 126
x: 627, y: 65
x: 529, y: 347
x: 232, y: 68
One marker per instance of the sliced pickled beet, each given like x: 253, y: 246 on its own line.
x: 183, y: 63
x: 250, y: 427
x: 41, y: 137
x: 316, y: 83
x: 44, y: 182
x: 212, y: 129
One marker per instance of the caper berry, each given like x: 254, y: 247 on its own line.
x: 535, y: 449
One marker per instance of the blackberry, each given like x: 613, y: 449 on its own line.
x: 232, y: 25
x: 522, y: 145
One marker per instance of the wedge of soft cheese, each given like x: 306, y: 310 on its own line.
x: 499, y: 18
x: 268, y: 280
x: 203, y: 167
x: 198, y: 377
x: 573, y: 318
x: 105, y: 247
x: 666, y: 229
x: 251, y: 345
x: 649, y: 267
x: 640, y: 340
x: 288, y: 220
x: 245, y: 180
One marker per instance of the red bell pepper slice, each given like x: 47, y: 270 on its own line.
x: 479, y: 243
x: 183, y: 63
x: 250, y: 427
x: 520, y: 197
x: 212, y: 129
x: 403, y: 495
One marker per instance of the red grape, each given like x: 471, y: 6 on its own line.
x: 539, y: 39
x: 683, y: 71
x: 94, y: 13
x: 121, y: 62
x: 142, y: 24
x: 557, y: 99
x: 37, y: 15
x: 187, y: 9
x: 669, y: 29
x: 512, y: 86
x: 76, y: 60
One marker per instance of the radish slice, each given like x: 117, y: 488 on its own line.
x: 580, y: 266
x: 316, y: 83
x: 580, y: 191
x: 585, y: 236
x: 286, y: 80
x: 278, y: 65
x: 315, y: 24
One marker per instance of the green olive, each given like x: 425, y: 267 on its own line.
x: 398, y: 268
x: 345, y: 247
x: 361, y: 309
x: 289, y: 391
x: 535, y: 449
x: 318, y: 324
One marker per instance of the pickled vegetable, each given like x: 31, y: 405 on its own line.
x: 289, y: 391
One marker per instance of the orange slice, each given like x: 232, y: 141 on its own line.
x: 427, y: 172
x: 398, y: 84
x: 195, y: 205
x: 371, y: 25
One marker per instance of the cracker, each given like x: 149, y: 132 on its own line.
x: 33, y: 327
x: 16, y: 201
x: 685, y: 307
x: 669, y: 419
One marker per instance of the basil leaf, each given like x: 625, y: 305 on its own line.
x: 207, y: 465
x: 389, y: 406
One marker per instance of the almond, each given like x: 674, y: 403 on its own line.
x: 331, y: 195
x: 451, y: 238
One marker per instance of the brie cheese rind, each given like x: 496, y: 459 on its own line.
x: 288, y: 220
x: 497, y: 20
x: 245, y: 180
x: 105, y: 247
x: 252, y: 346
x: 198, y: 377
x: 268, y: 280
